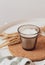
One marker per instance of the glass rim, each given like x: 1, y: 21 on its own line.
x: 28, y: 25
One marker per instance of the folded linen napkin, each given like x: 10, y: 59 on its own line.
x: 15, y: 61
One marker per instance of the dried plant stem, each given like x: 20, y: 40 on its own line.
x: 10, y: 39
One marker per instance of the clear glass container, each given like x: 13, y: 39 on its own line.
x: 29, y: 39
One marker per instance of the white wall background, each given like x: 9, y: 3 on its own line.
x: 21, y: 9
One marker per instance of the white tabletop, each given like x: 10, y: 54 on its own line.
x: 5, y: 51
